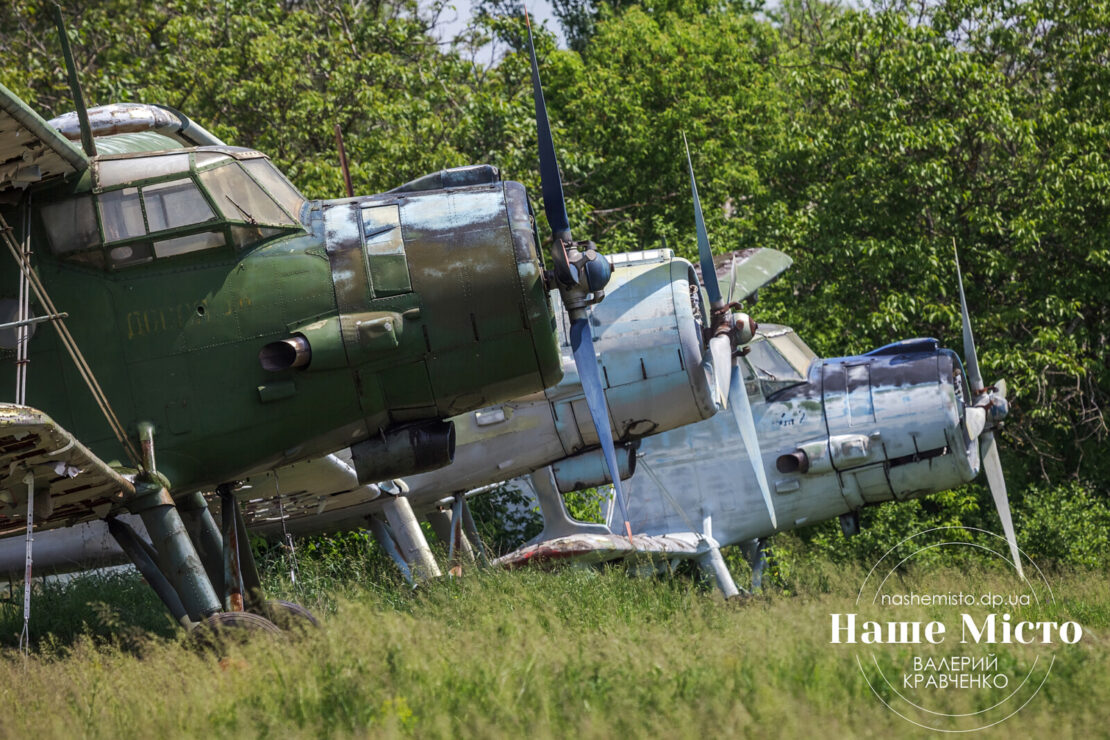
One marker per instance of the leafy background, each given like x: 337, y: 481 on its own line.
x: 861, y: 141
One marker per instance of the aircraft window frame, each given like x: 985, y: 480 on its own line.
x: 251, y: 204
x: 180, y: 200
x: 71, y: 225
x: 766, y: 363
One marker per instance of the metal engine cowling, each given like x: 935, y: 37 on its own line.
x: 648, y: 336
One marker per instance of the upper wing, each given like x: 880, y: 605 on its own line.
x: 71, y: 484
x: 30, y: 149
x: 747, y: 270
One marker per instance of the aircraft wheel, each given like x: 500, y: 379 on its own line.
x: 223, y: 627
x: 288, y: 615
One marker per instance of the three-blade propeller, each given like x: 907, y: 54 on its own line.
x: 729, y: 330
x: 987, y: 407
x: 581, y: 276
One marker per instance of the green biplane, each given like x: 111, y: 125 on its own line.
x: 206, y: 310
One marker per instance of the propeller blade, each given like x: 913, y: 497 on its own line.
x: 992, y: 466
x: 554, y: 204
x: 742, y: 412
x: 705, y: 255
x: 976, y: 419
x: 971, y: 361
x: 582, y: 345
x: 720, y: 350
x: 581, y: 337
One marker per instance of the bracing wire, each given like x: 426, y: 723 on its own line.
x: 70, y: 345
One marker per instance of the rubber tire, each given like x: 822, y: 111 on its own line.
x: 224, y: 627
x: 289, y: 616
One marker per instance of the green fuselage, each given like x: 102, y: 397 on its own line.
x: 418, y: 305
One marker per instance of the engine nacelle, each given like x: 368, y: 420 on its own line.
x: 648, y: 333
x: 588, y: 469
x: 413, y: 448
x: 891, y: 425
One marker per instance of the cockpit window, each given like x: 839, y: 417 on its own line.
x: 132, y: 254
x: 777, y: 360
x: 121, y: 214
x: 190, y: 243
x: 239, y: 198
x: 170, y: 205
x: 163, y: 205
x: 71, y: 224
x: 793, y: 349
x: 273, y: 181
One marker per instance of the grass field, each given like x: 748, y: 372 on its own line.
x: 524, y: 654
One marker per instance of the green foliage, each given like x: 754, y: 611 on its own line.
x: 1066, y: 525
x: 262, y: 75
x: 506, y: 518
x: 588, y: 505
x: 108, y: 607
x: 863, y: 142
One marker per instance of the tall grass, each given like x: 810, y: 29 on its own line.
x: 571, y: 653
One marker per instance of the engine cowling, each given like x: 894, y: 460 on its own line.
x: 649, y: 337
x: 893, y: 424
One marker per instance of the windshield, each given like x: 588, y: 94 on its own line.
x: 161, y: 206
x: 240, y: 198
x: 777, y: 359
x: 271, y: 179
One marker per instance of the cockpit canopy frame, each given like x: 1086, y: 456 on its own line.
x: 149, y: 206
x: 777, y: 359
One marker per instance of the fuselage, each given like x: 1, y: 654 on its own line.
x: 649, y: 347
x: 835, y: 435
x: 179, y: 267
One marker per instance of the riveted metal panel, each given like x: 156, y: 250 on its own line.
x: 861, y: 410
x: 385, y: 250
x: 348, y: 266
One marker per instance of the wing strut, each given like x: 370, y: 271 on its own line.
x: 87, y: 142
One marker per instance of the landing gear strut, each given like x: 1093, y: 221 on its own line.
x: 456, y: 529
x: 202, y: 576
x: 398, y: 532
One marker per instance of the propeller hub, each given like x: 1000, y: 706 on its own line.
x: 992, y: 401
x: 591, y: 271
x: 997, y: 406
x: 597, y: 269
x: 739, y: 327
x: 744, y: 327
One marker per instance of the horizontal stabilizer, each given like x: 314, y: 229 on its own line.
x: 72, y: 484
